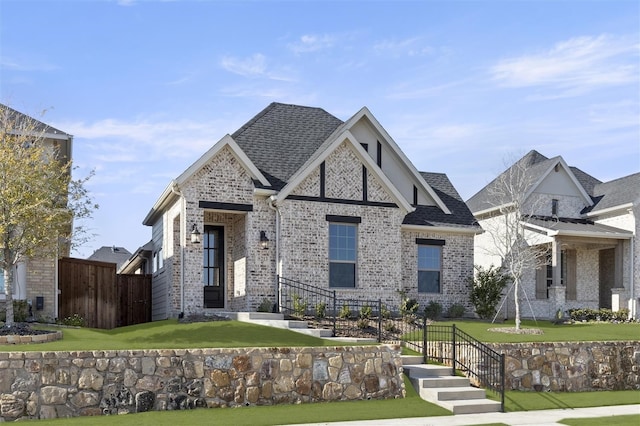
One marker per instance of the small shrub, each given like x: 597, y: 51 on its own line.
x: 265, y: 306
x: 602, y: 314
x: 345, y: 312
x: 486, y: 290
x: 456, y: 311
x: 20, y: 310
x: 385, y: 312
x: 366, y: 312
x: 74, y: 320
x: 299, y: 306
x: 362, y: 323
x: 321, y: 310
x: 390, y: 327
x: 433, y: 310
x: 408, y: 306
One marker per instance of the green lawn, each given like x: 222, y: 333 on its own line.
x: 169, y: 334
x: 580, y: 332
x: 627, y: 420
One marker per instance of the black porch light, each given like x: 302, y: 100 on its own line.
x: 195, y: 235
x: 264, y: 241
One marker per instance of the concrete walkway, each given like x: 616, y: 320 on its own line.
x: 538, y: 418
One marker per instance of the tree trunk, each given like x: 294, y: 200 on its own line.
x: 516, y: 285
x: 8, y: 291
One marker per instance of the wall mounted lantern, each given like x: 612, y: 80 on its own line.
x: 264, y: 241
x: 195, y: 235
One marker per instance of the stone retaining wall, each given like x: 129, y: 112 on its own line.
x: 40, y: 385
x: 572, y: 367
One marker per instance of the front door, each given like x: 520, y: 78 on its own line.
x: 213, y: 273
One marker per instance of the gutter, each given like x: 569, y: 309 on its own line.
x: 272, y: 204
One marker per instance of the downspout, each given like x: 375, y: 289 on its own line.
x: 274, y: 207
x: 176, y: 190
x: 633, y: 308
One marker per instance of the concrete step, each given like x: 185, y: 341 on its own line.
x: 411, y: 359
x: 290, y: 324
x: 440, y: 382
x: 316, y: 332
x: 427, y: 370
x: 470, y: 406
x: 251, y: 316
x: 452, y: 393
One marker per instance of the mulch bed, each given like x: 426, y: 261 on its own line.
x: 21, y: 329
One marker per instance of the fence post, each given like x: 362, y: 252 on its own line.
x: 379, y: 320
x: 424, y: 339
x: 335, y: 313
x: 453, y: 350
x: 502, y: 382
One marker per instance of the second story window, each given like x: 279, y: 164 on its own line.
x: 554, y: 207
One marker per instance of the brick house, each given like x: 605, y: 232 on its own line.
x: 36, y: 279
x: 300, y: 194
x: 587, y: 228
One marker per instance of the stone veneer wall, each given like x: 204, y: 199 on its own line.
x: 42, y: 385
x: 572, y: 367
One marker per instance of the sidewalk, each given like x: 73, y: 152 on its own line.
x: 538, y: 418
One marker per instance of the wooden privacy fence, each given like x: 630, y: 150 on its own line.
x: 103, y: 298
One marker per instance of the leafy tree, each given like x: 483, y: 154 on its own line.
x: 39, y: 200
x: 486, y: 290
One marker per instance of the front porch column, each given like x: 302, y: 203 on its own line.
x: 557, y: 293
x: 619, y: 298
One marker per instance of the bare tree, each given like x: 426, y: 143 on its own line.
x: 39, y: 200
x: 519, y: 250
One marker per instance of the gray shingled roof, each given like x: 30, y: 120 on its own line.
x: 282, y: 137
x: 117, y: 255
x: 37, y: 126
x: 580, y: 227
x: 460, y: 215
x: 616, y: 192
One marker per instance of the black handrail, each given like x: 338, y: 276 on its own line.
x: 445, y: 344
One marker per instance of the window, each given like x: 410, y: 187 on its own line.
x: 429, y: 269
x: 554, y: 207
x: 1, y: 281
x: 343, y: 254
x: 158, y: 262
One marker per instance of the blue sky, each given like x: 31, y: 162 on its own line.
x: 146, y: 87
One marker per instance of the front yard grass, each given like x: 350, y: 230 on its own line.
x: 579, y: 332
x: 169, y: 334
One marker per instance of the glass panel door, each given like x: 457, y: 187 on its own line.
x: 213, y: 266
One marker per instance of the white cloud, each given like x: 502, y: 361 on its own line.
x: 26, y: 64
x: 313, y: 43
x: 254, y: 65
x: 408, y: 47
x: 574, y: 66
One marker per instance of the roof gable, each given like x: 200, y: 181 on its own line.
x: 351, y: 130
x: 538, y: 177
x: 344, y: 137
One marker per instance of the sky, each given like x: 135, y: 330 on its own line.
x: 146, y: 87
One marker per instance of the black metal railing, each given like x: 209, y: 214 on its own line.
x: 305, y: 301
x: 447, y: 344
x: 444, y: 344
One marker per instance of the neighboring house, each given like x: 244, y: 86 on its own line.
x: 588, y: 228
x: 140, y: 262
x: 36, y: 280
x: 113, y: 254
x: 299, y: 194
